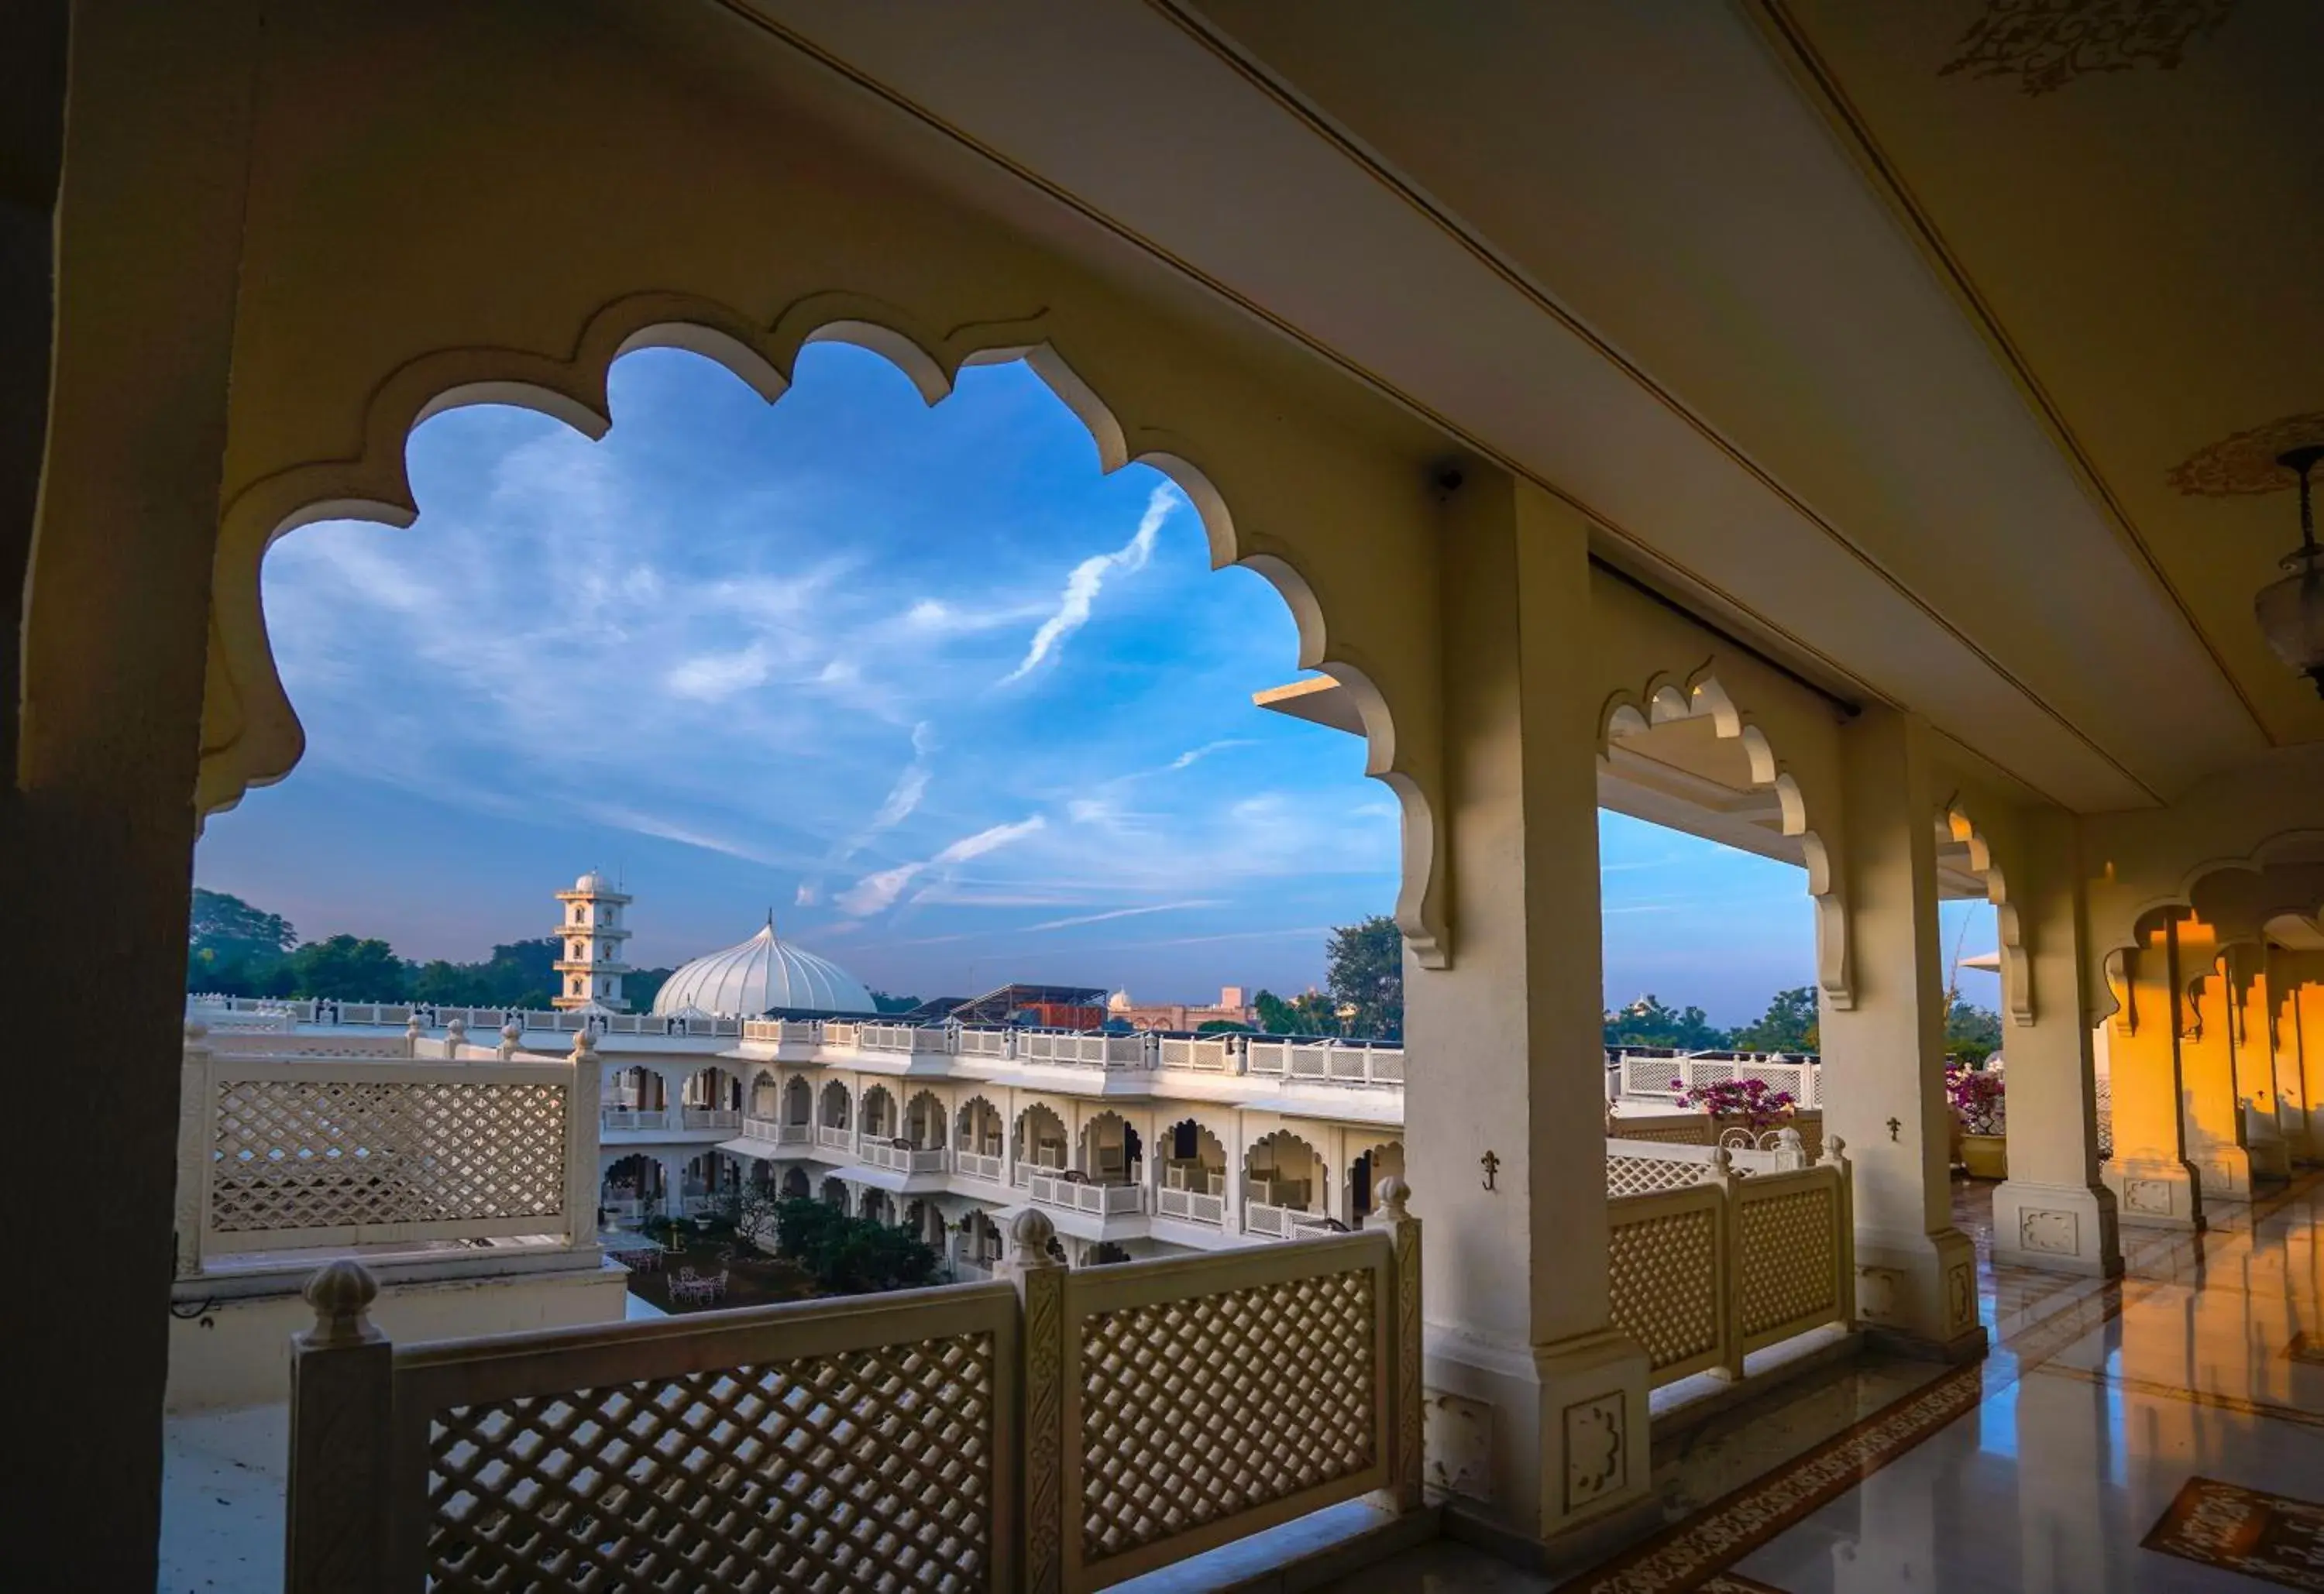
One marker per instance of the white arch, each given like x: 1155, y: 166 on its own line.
x: 1665, y: 699
x: 252, y: 734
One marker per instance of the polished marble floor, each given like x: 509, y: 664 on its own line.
x: 2042, y: 1467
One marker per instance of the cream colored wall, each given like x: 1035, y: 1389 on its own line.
x: 238, y: 1353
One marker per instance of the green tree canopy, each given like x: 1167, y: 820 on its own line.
x: 1647, y: 1022
x: 1789, y: 1024
x: 1364, y: 973
x: 1310, y: 1013
x: 350, y: 970
x: 885, y: 1003
x: 1972, y: 1033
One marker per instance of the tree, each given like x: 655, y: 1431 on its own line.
x: 1221, y: 1027
x: 640, y: 986
x: 1311, y: 1013
x: 350, y: 970
x: 848, y: 1254
x: 231, y: 946
x: 1789, y: 1024
x: 1646, y: 1022
x: 882, y: 1002
x: 1972, y: 1034
x: 1364, y: 971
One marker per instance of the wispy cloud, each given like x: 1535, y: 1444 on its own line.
x: 713, y: 678
x: 1194, y: 755
x: 877, y: 892
x: 1088, y: 578
x: 1099, y: 918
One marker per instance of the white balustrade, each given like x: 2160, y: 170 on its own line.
x: 1280, y: 1222
x: 1104, y: 1200
x: 987, y: 1042
x: 709, y: 1118
x: 286, y: 1152
x: 832, y: 1139
x: 977, y: 1165
x: 974, y: 1394
x: 1193, y: 1206
x: 905, y: 1159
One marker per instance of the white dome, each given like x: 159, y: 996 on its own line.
x: 591, y: 881
x: 759, y: 973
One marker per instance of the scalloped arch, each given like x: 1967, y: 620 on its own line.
x: 251, y: 734
x: 1956, y: 823
x: 2118, y: 934
x: 1665, y: 699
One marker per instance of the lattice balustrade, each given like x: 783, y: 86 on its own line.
x: 1204, y: 1408
x: 1687, y: 1134
x: 867, y: 1468
x: 1789, y: 1267
x: 297, y: 1154
x: 2103, y: 1102
x: 1662, y: 1275
x: 1644, y: 1176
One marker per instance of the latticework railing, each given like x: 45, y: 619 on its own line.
x: 1060, y: 1431
x: 1704, y: 1273
x: 282, y: 1152
x: 2103, y: 1094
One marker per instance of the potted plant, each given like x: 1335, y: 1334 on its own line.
x: 1977, y: 1098
x: 1739, y: 1103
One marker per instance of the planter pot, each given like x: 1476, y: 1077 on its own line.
x: 1986, y: 1156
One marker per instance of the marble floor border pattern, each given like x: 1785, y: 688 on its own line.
x: 1687, y: 1554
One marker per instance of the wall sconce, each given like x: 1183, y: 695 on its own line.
x: 2291, y: 611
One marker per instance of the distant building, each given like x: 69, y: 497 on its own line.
x: 1233, y: 1007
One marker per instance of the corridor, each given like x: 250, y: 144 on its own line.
x: 2164, y: 1432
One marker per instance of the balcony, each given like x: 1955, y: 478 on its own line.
x: 777, y: 1132
x: 976, y: 1165
x: 1191, y: 1206
x: 905, y: 1159
x: 1281, y: 1223
x: 672, y: 1121
x: 831, y: 1139
x: 1102, y: 1201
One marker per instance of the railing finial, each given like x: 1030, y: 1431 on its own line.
x: 412, y: 1027
x: 1835, y: 1152
x: 511, y: 1038
x: 1393, y: 1195
x: 341, y: 1293
x: 585, y: 1045
x: 1029, y: 1234
x: 195, y: 1030
x: 455, y: 1031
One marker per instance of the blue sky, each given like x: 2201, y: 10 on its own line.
x: 958, y: 709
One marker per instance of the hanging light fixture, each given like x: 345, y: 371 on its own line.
x: 2291, y: 611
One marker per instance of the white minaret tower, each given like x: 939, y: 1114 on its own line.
x: 593, y: 933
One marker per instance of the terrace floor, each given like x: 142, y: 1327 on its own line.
x: 2123, y: 1434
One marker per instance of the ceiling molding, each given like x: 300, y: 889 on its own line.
x: 1820, y: 85
x: 746, y: 12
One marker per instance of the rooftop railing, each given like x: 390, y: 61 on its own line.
x: 1656, y: 1075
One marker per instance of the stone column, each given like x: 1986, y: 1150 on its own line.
x: 2252, y: 1026
x: 1539, y: 1403
x: 1884, y: 1054
x: 118, y: 402
x: 2053, y: 1211
x: 2152, y: 1182
x: 2208, y: 1107
x: 2296, y: 987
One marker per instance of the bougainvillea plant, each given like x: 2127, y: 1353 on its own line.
x: 1749, y: 1100
x: 1976, y: 1094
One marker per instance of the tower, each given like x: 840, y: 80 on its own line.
x: 592, y: 968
